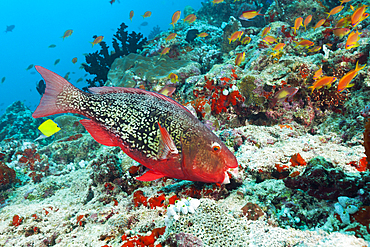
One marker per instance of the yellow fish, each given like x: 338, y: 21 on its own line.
x: 269, y: 40
x: 323, y: 81
x: 217, y: 1
x: 67, y: 33
x: 319, y: 23
x: 245, y: 40
x: 297, y: 24
x: 202, y: 35
x: 317, y: 74
x: 190, y: 18
x: 265, y: 31
x: 236, y: 35
x: 173, y: 77
x: 239, y: 58
x: 352, y: 40
x: 147, y: 14
x: 278, y: 47
x: 307, y: 21
x: 250, y: 14
x: 165, y: 51
x: 335, y: 10
x: 97, y: 40
x: 359, y: 15
x: 171, y: 36
x: 341, y: 32
x: 175, y: 18
x: 48, y: 128
x: 347, y: 78
x: 305, y: 43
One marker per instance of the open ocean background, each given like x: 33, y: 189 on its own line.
x: 41, y: 23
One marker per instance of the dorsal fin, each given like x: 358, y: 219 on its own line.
x: 105, y: 90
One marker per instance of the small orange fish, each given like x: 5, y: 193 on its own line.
x: 175, y: 18
x: 147, y: 14
x: 217, y: 1
x: 171, y: 36
x: 74, y: 60
x: 344, y: 1
x: 335, y: 10
x: 341, y: 32
x: 345, y: 21
x: 67, y: 33
x: 319, y: 23
x: 347, y: 78
x: 269, y: 40
x: 131, y: 14
x: 245, y: 40
x: 173, y: 77
x: 167, y: 90
x: 165, y: 51
x: 286, y: 93
x: 297, y: 24
x: 190, y: 18
x: 317, y: 74
x: 239, y: 58
x: 202, y: 35
x: 97, y: 40
x: 305, y: 43
x: 236, y: 35
x: 278, y: 47
x: 307, y: 21
x: 265, y: 31
x: 352, y: 40
x: 358, y: 15
x: 250, y: 14
x: 315, y: 49
x: 323, y: 81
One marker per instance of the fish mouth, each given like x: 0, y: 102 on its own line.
x: 233, y: 172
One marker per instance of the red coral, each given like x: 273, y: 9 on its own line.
x: 297, y: 160
x: 139, y: 198
x: 16, y: 220
x: 144, y: 240
x: 157, y: 201
x: 361, y: 165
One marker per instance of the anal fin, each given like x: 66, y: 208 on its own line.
x: 99, y: 133
x: 150, y: 176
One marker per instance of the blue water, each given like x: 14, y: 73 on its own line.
x: 41, y: 23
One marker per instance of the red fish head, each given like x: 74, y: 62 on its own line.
x: 207, y: 159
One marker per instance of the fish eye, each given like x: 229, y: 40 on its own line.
x: 216, y: 147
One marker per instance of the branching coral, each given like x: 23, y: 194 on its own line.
x: 99, y: 62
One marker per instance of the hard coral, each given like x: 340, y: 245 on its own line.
x: 99, y: 62
x: 323, y: 181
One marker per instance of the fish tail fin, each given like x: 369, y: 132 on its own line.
x: 313, y: 88
x: 55, y: 85
x: 92, y: 44
x: 359, y: 68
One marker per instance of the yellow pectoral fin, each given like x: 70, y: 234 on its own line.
x: 350, y: 85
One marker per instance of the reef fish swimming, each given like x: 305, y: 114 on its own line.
x: 151, y: 128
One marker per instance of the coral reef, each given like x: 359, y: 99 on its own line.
x: 135, y: 70
x: 17, y: 123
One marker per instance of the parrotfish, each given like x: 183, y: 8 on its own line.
x: 151, y: 128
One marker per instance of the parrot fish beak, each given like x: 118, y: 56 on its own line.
x: 233, y: 172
